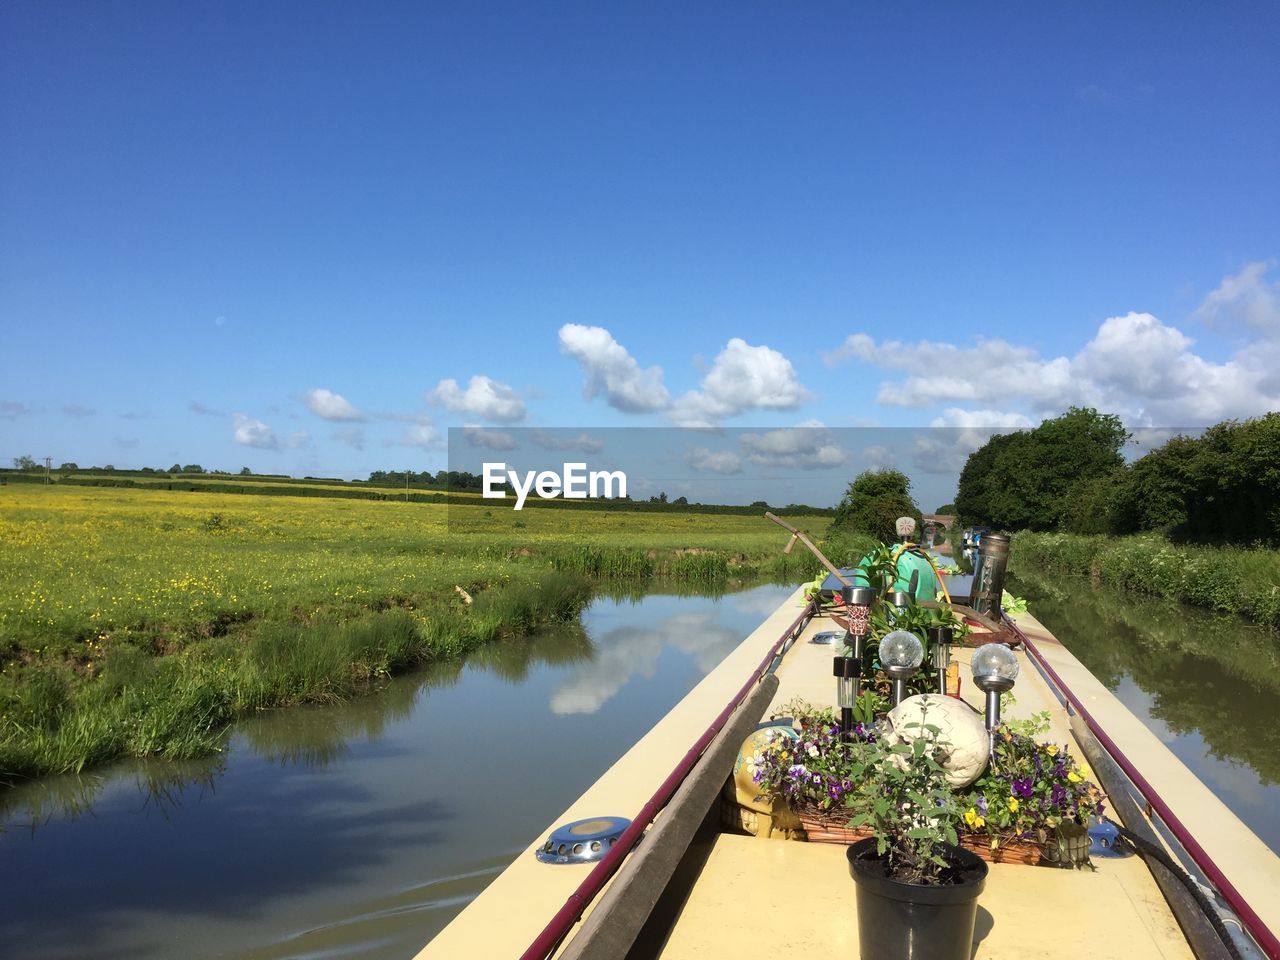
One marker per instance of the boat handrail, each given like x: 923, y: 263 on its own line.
x: 553, y: 934
x: 1257, y: 929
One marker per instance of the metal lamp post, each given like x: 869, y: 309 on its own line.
x: 901, y: 654
x: 995, y: 668
x: 940, y: 638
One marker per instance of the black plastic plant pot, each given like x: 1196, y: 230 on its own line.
x: 907, y: 921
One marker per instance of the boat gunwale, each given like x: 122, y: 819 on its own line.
x: 558, y: 928
x: 1249, y: 919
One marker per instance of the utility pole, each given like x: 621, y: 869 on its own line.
x: 406, y: 486
x: 48, y: 465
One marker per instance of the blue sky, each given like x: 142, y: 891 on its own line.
x: 289, y: 235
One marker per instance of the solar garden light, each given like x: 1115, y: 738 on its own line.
x: 857, y: 606
x: 940, y: 639
x: 905, y: 528
x: 994, y: 667
x: 847, y: 669
x: 901, y: 654
x: 848, y: 672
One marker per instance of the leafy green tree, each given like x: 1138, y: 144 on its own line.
x: 977, y: 480
x: 1028, y: 480
x: 1095, y: 504
x: 24, y: 462
x: 946, y: 510
x: 1155, y: 491
x: 874, y: 500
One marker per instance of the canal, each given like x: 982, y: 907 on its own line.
x: 361, y: 830
x: 1207, y: 685
x: 357, y: 830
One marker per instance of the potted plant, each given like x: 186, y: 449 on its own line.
x: 917, y: 889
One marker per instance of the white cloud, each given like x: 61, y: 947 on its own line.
x: 948, y: 372
x: 298, y: 440
x: 723, y: 462
x: 582, y: 442
x: 330, y: 406
x: 612, y: 371
x: 1244, y: 298
x: 78, y: 410
x: 250, y: 432
x: 961, y: 432
x: 489, y: 439
x: 809, y: 446
x: 1134, y: 365
x: 877, y: 457
x: 422, y: 434
x: 981, y: 419
x: 195, y: 406
x: 353, y: 437
x: 742, y: 378
x: 483, y: 397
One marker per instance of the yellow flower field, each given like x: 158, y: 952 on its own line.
x: 80, y: 562
x: 138, y: 621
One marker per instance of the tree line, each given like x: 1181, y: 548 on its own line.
x: 1070, y: 474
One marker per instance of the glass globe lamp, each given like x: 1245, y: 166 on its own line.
x: 995, y: 668
x: 901, y: 654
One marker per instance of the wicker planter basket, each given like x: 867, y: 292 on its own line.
x: 827, y: 826
x: 1016, y: 851
x: 831, y: 826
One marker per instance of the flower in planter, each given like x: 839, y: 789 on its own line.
x: 813, y: 769
x: 1031, y: 789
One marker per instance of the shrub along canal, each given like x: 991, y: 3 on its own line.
x: 356, y: 830
x: 1207, y: 685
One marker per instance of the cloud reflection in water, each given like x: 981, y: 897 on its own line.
x: 626, y: 652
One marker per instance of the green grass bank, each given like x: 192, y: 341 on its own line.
x: 1225, y: 579
x: 140, y: 622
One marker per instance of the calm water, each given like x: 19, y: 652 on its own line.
x: 1208, y: 686
x: 358, y: 830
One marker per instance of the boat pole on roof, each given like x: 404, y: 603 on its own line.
x: 802, y: 538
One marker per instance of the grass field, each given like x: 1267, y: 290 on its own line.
x: 140, y: 621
